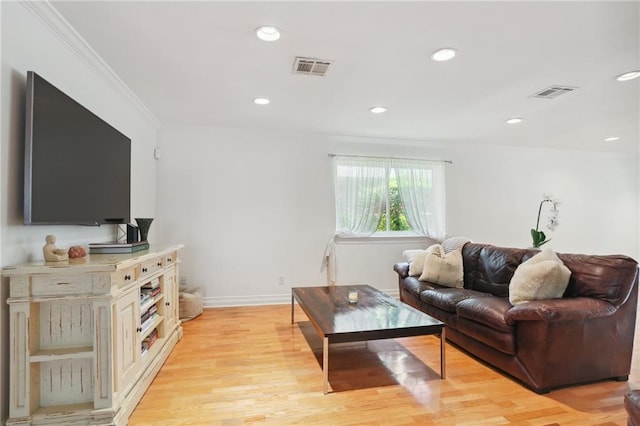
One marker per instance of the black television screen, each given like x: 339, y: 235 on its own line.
x: 77, y: 166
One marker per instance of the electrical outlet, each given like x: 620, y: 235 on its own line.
x: 281, y: 280
x: 183, y: 280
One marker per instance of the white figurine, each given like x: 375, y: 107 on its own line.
x: 53, y: 253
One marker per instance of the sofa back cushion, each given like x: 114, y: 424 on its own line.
x: 607, y: 277
x: 489, y: 269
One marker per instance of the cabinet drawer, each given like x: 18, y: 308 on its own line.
x: 170, y: 258
x: 150, y: 266
x: 54, y: 285
x: 124, y: 277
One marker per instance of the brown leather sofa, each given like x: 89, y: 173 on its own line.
x: 632, y: 405
x: 585, y: 336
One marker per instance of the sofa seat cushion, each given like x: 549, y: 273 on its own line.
x: 503, y: 342
x: 447, y: 298
x: 449, y: 318
x: 415, y: 286
x: 489, y: 311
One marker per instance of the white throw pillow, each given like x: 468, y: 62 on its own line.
x: 544, y: 276
x: 454, y: 243
x: 416, y: 258
x: 444, y: 269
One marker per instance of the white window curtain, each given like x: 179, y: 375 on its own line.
x: 421, y: 189
x: 360, y: 186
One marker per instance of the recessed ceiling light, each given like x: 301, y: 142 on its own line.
x: 261, y: 101
x: 611, y: 139
x: 630, y: 75
x: 268, y: 33
x: 378, y: 109
x: 443, y: 54
x: 515, y: 120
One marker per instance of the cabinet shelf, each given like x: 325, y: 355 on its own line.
x: 45, y: 355
x: 155, y: 348
x: 63, y: 408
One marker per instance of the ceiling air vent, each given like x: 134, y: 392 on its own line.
x: 311, y: 66
x: 554, y: 92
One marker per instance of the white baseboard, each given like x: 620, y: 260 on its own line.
x: 269, y: 299
x: 227, y: 301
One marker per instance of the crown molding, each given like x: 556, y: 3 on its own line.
x: 59, y: 26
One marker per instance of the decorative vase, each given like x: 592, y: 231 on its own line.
x: 143, y: 225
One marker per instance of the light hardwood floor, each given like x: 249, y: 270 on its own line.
x: 249, y: 365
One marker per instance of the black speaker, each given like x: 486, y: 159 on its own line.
x: 132, y: 234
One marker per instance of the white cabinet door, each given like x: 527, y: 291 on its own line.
x: 171, y: 301
x: 127, y: 340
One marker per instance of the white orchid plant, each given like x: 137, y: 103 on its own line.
x: 538, y: 237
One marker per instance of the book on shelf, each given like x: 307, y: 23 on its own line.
x: 151, y: 288
x: 151, y: 292
x: 148, y: 313
x: 148, y: 321
x: 144, y: 297
x: 144, y: 305
x: 152, y: 337
x: 154, y: 283
x: 149, y: 341
x: 126, y: 248
x: 151, y: 311
x: 113, y: 244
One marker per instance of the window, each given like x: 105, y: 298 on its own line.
x: 389, y: 195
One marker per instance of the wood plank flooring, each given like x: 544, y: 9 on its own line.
x: 249, y: 365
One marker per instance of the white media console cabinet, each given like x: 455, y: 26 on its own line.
x: 88, y: 336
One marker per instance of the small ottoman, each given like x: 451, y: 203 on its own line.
x: 190, y: 303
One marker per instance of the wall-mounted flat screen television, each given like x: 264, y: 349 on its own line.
x: 77, y: 166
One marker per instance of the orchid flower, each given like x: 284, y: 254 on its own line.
x: 538, y: 237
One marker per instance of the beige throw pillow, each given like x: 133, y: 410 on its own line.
x: 444, y: 269
x: 416, y: 258
x: 544, y: 276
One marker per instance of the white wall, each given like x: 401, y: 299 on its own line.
x: 502, y: 189
x: 252, y: 206
x: 247, y: 210
x: 29, y: 44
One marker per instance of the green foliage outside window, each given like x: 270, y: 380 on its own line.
x: 397, y: 217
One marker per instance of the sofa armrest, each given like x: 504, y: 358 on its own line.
x: 402, y: 269
x: 566, y: 309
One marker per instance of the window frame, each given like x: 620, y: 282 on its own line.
x: 388, y: 234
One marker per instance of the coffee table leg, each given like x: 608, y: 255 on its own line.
x: 443, y: 372
x: 291, y: 307
x: 325, y: 365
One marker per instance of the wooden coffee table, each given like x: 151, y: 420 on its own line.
x: 374, y: 316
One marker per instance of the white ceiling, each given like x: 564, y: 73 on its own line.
x: 200, y: 64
